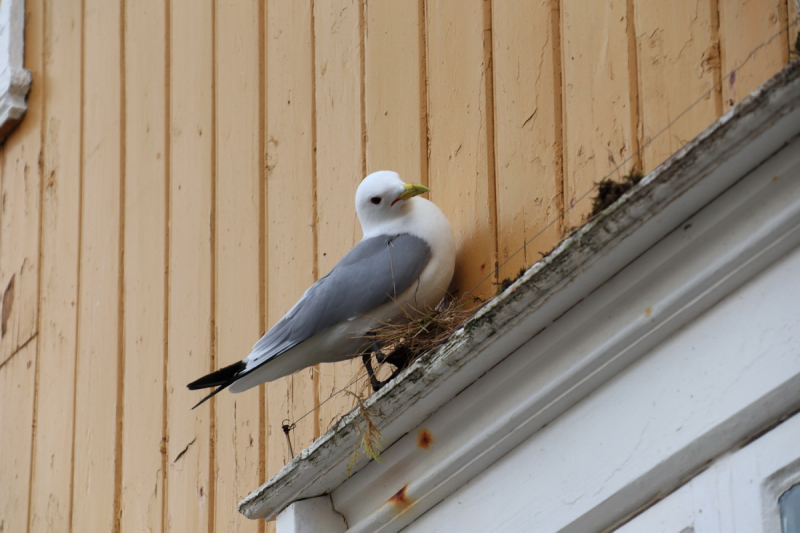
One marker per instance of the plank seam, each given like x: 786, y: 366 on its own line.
x: 314, y: 202
x: 717, y: 69
x: 425, y: 105
x: 120, y: 282
x: 633, y: 87
x: 262, y: 236
x: 167, y: 218
x: 40, y: 254
x: 783, y: 22
x: 561, y: 133
x: 489, y: 103
x: 79, y: 255
x: 362, y: 83
x: 423, y: 95
x: 212, y: 459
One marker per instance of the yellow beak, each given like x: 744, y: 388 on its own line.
x: 412, y: 190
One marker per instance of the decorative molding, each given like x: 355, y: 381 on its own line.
x: 15, y: 81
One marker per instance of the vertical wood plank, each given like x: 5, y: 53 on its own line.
x: 189, y: 482
x: 461, y: 172
x: 19, y: 225
x: 52, y: 472
x: 340, y: 161
x: 17, y: 391
x: 237, y: 248
x: 19, y: 207
x: 394, y: 89
x: 527, y: 129
x: 340, y: 157
x: 679, y: 62
x: 598, y: 134
x: 96, y: 407
x: 19, y: 280
x: 290, y: 200
x: 745, y: 26
x: 144, y: 261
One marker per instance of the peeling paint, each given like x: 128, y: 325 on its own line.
x: 8, y: 302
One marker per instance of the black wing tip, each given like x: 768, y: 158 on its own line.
x: 222, y: 377
x: 213, y: 393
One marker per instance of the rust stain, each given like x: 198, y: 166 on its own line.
x: 424, y: 438
x: 648, y: 311
x: 8, y: 302
x: 400, y: 499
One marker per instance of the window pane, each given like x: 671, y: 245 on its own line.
x: 790, y: 510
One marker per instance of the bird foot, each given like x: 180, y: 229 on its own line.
x: 399, y: 358
x: 373, y: 379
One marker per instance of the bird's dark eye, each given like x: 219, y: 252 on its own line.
x: 375, y: 200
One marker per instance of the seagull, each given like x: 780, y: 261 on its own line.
x: 401, y: 267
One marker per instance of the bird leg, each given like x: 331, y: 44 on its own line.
x: 399, y: 358
x: 366, y: 358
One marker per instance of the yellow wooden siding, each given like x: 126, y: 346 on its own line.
x: 59, y: 78
x: 678, y: 64
x: 598, y: 120
x: 98, y: 414
x: 528, y: 132
x: 744, y: 27
x: 17, y: 384
x: 289, y: 230
x: 460, y: 119
x: 20, y: 223
x: 186, y: 170
x: 190, y: 313
x: 144, y: 259
x: 237, y: 233
x: 395, y: 98
x: 340, y: 165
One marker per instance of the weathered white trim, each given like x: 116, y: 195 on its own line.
x: 784, y: 475
x: 315, y: 515
x: 15, y: 81
x: 738, y: 493
x: 532, y: 309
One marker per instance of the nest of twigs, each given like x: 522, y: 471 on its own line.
x: 423, y: 331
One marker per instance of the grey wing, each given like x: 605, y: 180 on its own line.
x: 375, y: 271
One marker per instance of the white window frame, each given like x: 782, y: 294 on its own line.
x: 15, y: 81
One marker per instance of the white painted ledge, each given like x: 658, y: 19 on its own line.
x: 315, y: 515
x: 535, y: 310
x: 15, y: 81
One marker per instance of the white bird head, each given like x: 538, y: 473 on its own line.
x: 382, y: 198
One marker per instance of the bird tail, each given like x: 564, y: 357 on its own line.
x: 222, y: 378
